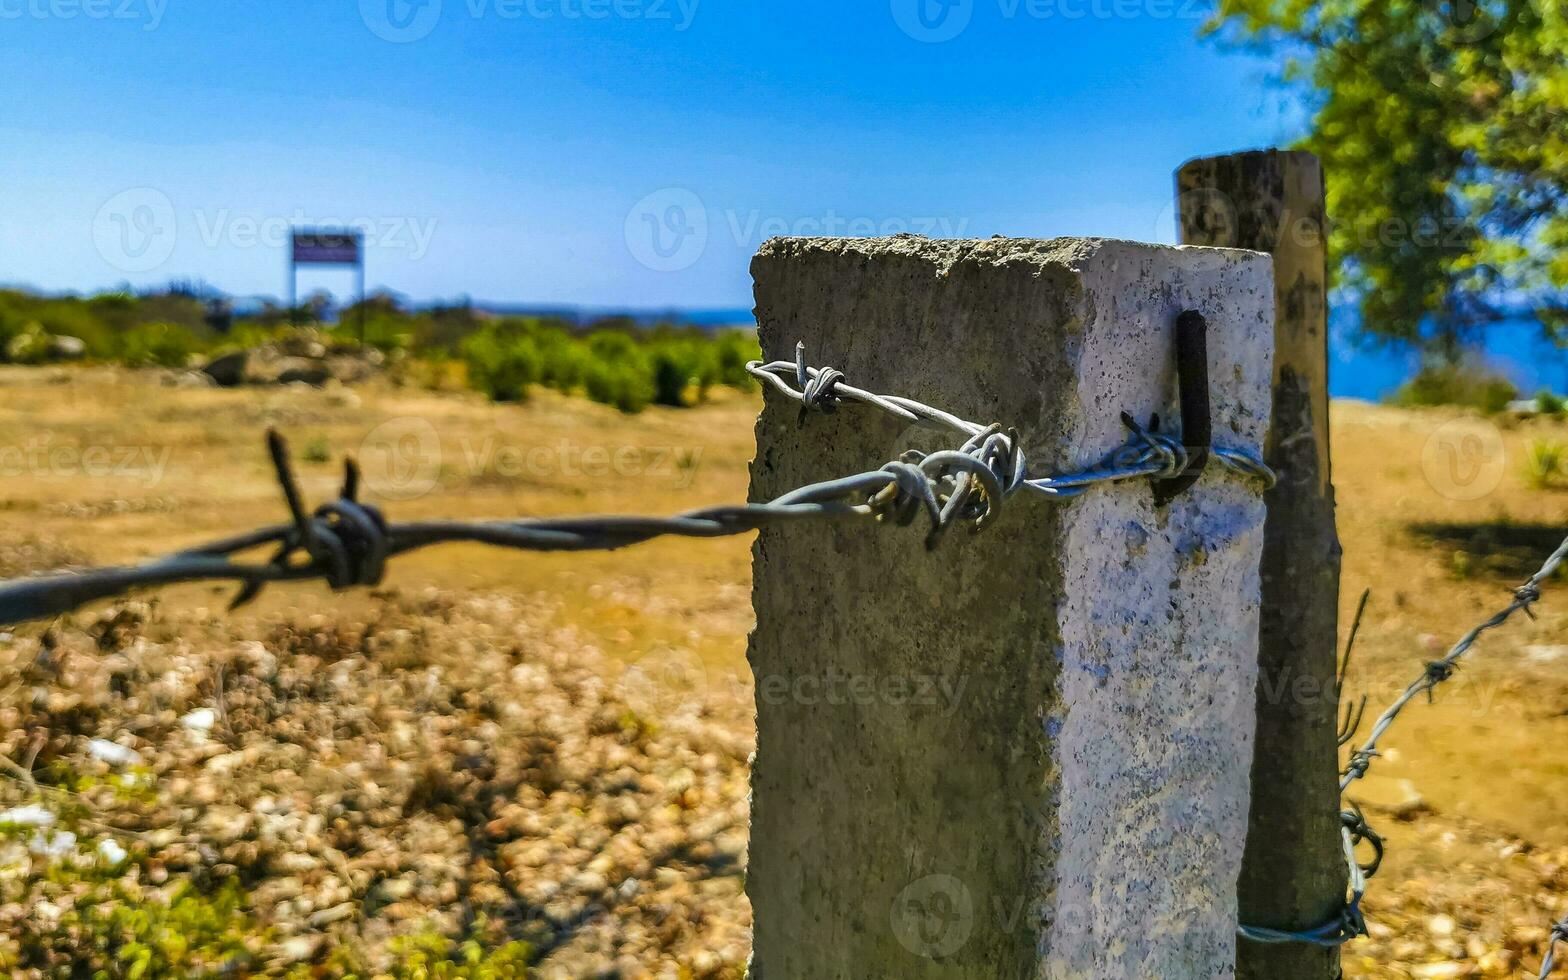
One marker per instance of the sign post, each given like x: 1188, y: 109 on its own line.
x: 317, y: 246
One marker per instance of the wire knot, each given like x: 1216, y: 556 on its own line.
x: 1148, y: 446
x: 1438, y: 671
x: 355, y: 539
x: 345, y: 541
x: 1360, y: 763
x: 907, y: 496
x: 817, y: 390
x: 966, y: 484
x: 1528, y: 594
x: 1355, y: 822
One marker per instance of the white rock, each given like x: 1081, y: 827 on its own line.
x: 226, y: 763
x: 298, y: 949
x: 31, y: 815
x: 111, y: 852
x: 202, y: 719
x: 53, y: 845
x: 337, y: 913
x: 113, y: 753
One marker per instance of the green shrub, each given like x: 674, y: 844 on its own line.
x: 118, y: 936
x: 1468, y: 385
x: 156, y: 344
x: 732, y: 351
x: 29, y: 345
x: 1544, y: 463
x: 626, y: 386
x: 432, y: 956
x: 502, y: 363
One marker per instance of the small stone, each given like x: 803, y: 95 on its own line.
x: 113, y: 753
x: 201, y: 720
x: 110, y: 851
x: 299, y: 948
x: 31, y: 815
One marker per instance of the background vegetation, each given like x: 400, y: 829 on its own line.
x: 1440, y: 128
x: 615, y: 360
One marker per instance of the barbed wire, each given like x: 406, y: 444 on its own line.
x: 1350, y: 922
x: 1438, y: 671
x: 1559, y: 935
x: 1147, y: 453
x: 348, y: 543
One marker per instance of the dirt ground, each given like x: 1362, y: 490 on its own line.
x: 1436, y: 516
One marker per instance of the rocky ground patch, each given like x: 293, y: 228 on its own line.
x: 343, y: 798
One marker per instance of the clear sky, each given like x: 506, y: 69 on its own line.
x: 592, y: 152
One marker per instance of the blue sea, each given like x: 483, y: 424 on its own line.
x: 1513, y: 348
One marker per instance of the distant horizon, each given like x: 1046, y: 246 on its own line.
x: 698, y: 315
x: 1360, y: 367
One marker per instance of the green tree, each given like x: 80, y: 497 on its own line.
x: 1443, y: 130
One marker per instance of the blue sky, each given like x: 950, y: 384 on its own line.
x: 593, y: 152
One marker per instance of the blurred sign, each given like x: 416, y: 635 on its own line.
x: 326, y: 248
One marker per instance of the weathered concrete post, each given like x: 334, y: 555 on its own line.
x: 1026, y: 754
x: 1294, y: 873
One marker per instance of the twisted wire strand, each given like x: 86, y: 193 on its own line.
x: 347, y: 543
x: 1146, y: 454
x: 1349, y: 923
x: 1559, y: 935
x: 1438, y: 671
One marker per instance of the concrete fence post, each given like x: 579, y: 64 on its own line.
x: 1294, y: 875
x: 1024, y: 754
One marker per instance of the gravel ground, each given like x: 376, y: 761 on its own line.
x: 455, y: 766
